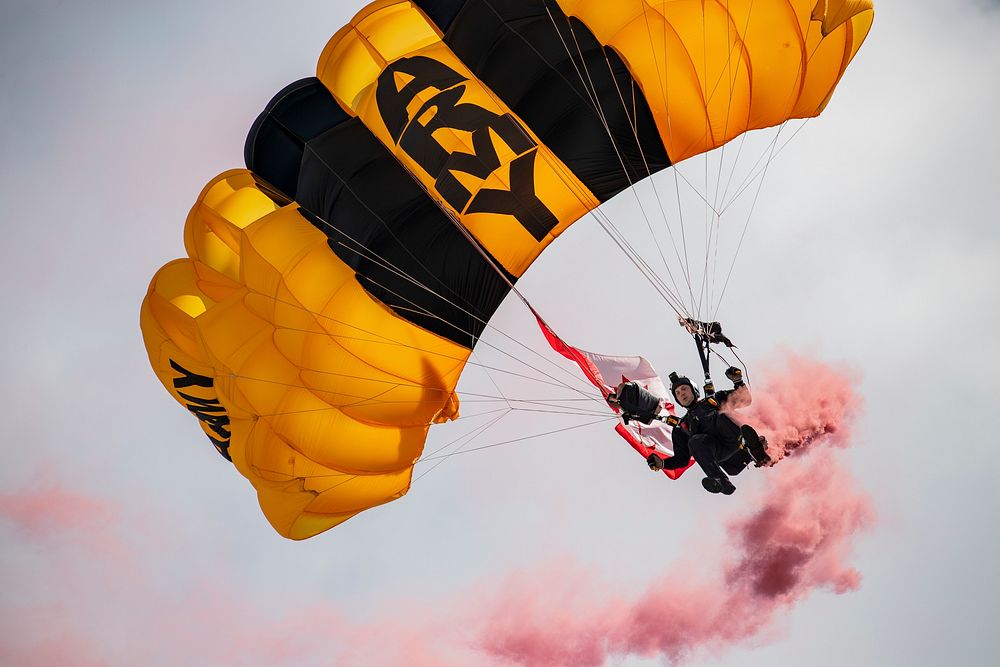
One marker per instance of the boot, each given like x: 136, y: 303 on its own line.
x: 718, y: 485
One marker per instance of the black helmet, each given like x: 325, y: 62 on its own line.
x: 678, y: 380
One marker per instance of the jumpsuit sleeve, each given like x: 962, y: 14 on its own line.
x: 734, y: 399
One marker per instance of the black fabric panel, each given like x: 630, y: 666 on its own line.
x: 301, y: 111
x: 520, y: 52
x: 382, y: 224
x: 305, y: 148
x: 442, y: 12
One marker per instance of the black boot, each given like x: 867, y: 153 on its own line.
x: 718, y: 485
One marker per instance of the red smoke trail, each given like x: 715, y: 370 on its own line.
x: 795, y: 538
x: 92, y: 581
x: 808, y: 402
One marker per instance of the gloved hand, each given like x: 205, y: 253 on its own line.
x: 734, y: 374
x: 654, y: 462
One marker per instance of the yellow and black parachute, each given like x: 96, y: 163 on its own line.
x: 334, y: 289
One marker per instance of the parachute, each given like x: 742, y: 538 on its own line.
x: 334, y: 290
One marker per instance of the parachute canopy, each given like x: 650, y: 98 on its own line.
x: 333, y: 291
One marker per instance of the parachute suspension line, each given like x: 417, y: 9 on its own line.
x: 495, y: 385
x: 436, y: 455
x: 731, y: 80
x: 645, y: 162
x: 716, y: 225
x: 664, y: 90
x: 685, y: 267
x: 637, y: 260
x: 711, y: 140
x: 373, y: 400
x: 595, y: 101
x: 746, y: 371
x: 489, y: 368
x: 746, y: 225
x: 713, y: 215
x: 530, y: 437
x: 763, y: 175
x: 732, y: 172
x: 664, y: 86
x: 555, y: 405
x: 635, y: 115
x: 393, y: 384
x: 748, y: 181
x: 439, y: 457
x: 468, y: 439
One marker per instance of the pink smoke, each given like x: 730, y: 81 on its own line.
x: 48, y: 509
x: 807, y: 402
x: 796, y: 539
x: 82, y: 590
x: 105, y: 597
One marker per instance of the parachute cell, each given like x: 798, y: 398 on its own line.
x: 334, y: 290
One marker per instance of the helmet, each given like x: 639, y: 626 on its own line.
x: 678, y: 380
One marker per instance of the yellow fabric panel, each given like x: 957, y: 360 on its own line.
x: 417, y: 356
x: 226, y: 205
x: 301, y: 498
x: 359, y: 389
x: 713, y: 69
x: 716, y: 65
x: 826, y: 64
x: 316, y: 382
x: 168, y: 320
x: 171, y: 303
x: 332, y: 439
x: 352, y: 349
x: 833, y: 13
x: 315, y: 423
x: 350, y: 67
x: 861, y: 25
x: 774, y: 34
x: 308, y: 525
x: 359, y: 492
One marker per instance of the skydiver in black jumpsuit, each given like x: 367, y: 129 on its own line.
x: 712, y: 437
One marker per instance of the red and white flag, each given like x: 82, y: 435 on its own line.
x: 606, y: 373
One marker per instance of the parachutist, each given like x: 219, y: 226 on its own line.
x: 718, y: 444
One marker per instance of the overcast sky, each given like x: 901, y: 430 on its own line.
x: 125, y: 539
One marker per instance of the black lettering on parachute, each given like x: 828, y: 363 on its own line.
x: 414, y: 135
x: 209, y: 411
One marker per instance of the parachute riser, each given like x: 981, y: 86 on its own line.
x: 704, y: 353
